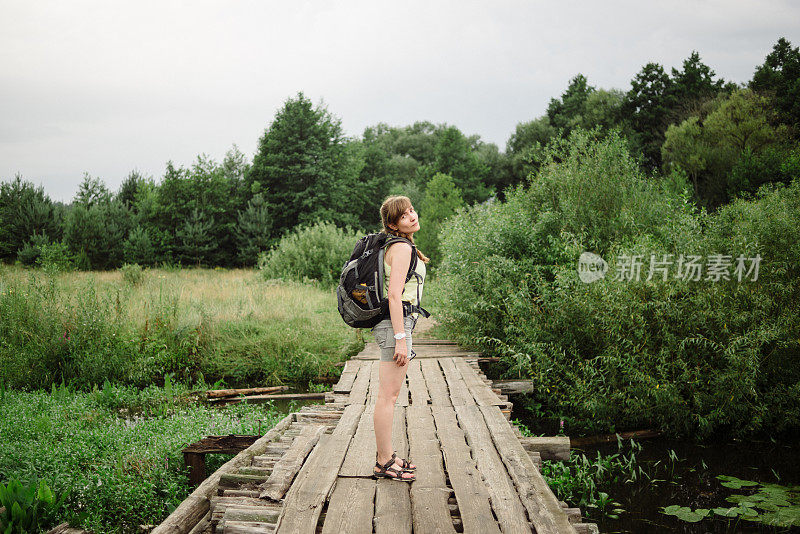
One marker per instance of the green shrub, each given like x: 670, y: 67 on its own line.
x: 132, y: 273
x: 315, y: 252
x: 687, y: 357
x: 32, y: 249
x: 55, y: 258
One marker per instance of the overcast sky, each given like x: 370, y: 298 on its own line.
x: 106, y: 87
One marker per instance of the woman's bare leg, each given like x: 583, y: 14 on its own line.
x: 391, y: 378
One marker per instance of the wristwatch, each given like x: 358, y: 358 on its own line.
x: 401, y: 335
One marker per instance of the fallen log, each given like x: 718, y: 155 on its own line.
x: 266, y: 398
x: 611, y: 438
x: 218, y: 393
x: 513, y: 387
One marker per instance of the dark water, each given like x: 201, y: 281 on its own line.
x: 691, y: 483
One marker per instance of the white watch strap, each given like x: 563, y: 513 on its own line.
x: 401, y: 335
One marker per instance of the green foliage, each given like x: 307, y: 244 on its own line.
x: 315, y: 252
x: 28, y: 508
x: 567, y: 112
x: 656, y: 100
x: 580, y: 480
x: 687, y: 357
x: 195, y: 238
x: 25, y: 211
x: 115, y: 452
x: 442, y: 199
x: 32, y: 249
x: 779, y: 77
x: 306, y: 168
x: 317, y: 388
x: 96, y: 228
x: 132, y: 273
x: 253, y: 230
x: 138, y: 247
x: 55, y: 258
x: 771, y: 504
x: 525, y: 148
x: 456, y: 158
x: 708, y: 148
x: 81, y: 330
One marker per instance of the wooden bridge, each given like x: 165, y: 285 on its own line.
x: 313, y: 471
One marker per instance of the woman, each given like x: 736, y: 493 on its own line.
x: 393, y: 334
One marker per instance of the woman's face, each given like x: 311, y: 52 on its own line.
x: 408, y: 222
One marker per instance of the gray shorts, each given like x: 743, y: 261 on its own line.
x: 384, y: 336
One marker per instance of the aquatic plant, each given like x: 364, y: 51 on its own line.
x: 771, y: 504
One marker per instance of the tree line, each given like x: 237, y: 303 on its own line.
x: 728, y: 139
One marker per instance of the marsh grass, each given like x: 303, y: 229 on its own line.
x: 85, y: 327
x: 116, y: 449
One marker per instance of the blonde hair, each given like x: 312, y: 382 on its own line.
x: 391, y: 210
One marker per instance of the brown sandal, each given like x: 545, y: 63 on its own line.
x: 405, y: 464
x: 387, y: 468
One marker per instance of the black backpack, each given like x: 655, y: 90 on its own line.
x: 360, y: 292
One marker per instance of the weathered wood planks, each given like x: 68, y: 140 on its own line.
x: 392, y: 498
x: 416, y: 384
x: 306, y: 497
x: 348, y: 376
x: 471, y: 493
x: 505, y: 501
x: 287, y: 467
x: 434, y: 380
x: 358, y: 393
x: 351, y: 507
x: 459, y: 394
x: 429, y: 493
x: 543, y: 508
x: 482, y: 394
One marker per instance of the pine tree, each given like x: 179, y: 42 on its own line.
x: 303, y: 164
x: 195, y: 237
x: 138, y: 247
x: 253, y: 230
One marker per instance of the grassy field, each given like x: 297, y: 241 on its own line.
x: 85, y: 327
x: 97, y: 371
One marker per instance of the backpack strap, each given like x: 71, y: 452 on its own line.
x: 411, y: 268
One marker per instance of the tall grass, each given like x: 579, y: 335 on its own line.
x: 85, y: 327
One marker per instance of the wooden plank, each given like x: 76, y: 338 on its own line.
x: 471, y: 493
x: 482, y: 393
x: 437, y: 388
x: 392, y: 499
x: 351, y: 507
x: 197, y: 505
x: 287, y: 467
x: 348, y: 376
x: 459, y: 394
x: 374, y: 382
x: 544, y: 511
x: 358, y: 393
x: 416, y: 384
x: 402, y: 397
x: 307, y: 495
x: 360, y: 455
x: 505, y: 501
x: 429, y: 493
